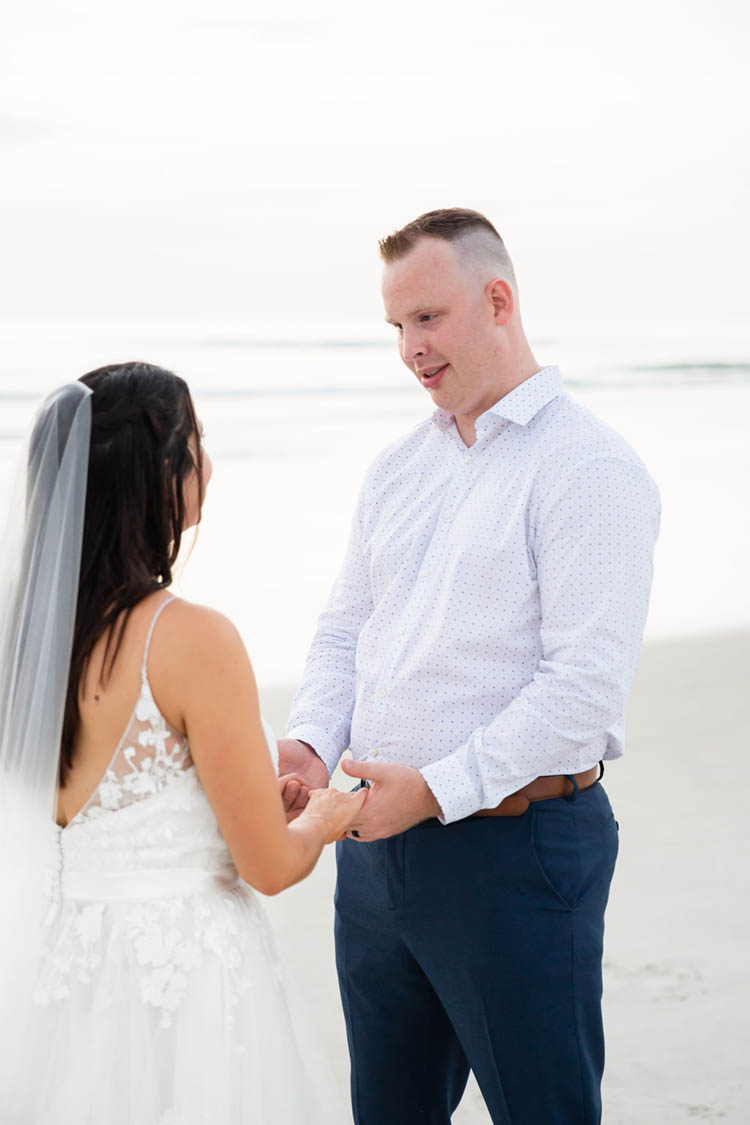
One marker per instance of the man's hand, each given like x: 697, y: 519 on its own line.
x: 298, y: 758
x: 399, y: 798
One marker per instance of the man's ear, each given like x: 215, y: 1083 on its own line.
x: 502, y: 299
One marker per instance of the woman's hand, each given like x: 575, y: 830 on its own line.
x: 295, y: 793
x: 337, y: 810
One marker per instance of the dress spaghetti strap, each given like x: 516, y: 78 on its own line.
x: 154, y: 619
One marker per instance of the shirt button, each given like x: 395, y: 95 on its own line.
x: 467, y: 459
x: 402, y: 630
x: 372, y: 753
x: 382, y: 693
x: 448, y: 515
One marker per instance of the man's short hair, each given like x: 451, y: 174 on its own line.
x: 476, y: 235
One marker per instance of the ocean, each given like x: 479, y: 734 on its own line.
x: 292, y: 423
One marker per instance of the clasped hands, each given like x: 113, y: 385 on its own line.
x: 398, y: 797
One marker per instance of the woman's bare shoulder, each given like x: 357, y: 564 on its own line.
x: 196, y: 636
x: 194, y: 649
x: 199, y: 622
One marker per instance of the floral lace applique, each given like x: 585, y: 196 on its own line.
x: 167, y: 939
x: 169, y: 945
x: 149, y: 754
x: 78, y: 956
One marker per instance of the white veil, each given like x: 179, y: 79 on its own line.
x: 40, y: 554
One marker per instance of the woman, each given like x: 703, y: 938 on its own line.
x: 156, y: 998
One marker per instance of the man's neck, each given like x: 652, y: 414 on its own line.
x: 466, y: 423
x: 466, y: 427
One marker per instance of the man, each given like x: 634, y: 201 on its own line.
x: 476, y: 654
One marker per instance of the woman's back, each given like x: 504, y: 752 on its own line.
x: 108, y: 704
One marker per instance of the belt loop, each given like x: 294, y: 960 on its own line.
x: 572, y: 796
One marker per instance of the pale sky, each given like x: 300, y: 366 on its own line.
x: 188, y: 161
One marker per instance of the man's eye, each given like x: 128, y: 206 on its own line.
x: 427, y: 316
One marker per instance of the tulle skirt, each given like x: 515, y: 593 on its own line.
x: 162, y: 1012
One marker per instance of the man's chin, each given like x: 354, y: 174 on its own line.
x: 442, y: 400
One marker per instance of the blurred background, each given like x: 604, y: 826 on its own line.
x: 202, y: 185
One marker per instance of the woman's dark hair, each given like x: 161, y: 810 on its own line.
x: 142, y: 422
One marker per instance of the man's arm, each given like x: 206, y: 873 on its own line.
x: 593, y: 544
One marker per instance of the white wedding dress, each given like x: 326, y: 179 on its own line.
x: 160, y: 1000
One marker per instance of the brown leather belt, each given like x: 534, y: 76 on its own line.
x: 542, y: 789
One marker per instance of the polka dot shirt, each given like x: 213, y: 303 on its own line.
x: 486, y: 624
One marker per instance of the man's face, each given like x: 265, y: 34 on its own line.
x: 446, y: 327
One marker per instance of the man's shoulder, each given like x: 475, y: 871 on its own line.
x: 570, y: 434
x: 577, y: 454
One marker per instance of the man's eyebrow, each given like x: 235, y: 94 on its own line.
x: 415, y: 312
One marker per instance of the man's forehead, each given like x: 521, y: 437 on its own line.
x: 422, y: 275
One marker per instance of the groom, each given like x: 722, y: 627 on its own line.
x: 475, y: 655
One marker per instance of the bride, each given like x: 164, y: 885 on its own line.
x: 139, y: 803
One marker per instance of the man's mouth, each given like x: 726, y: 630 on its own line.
x: 432, y: 376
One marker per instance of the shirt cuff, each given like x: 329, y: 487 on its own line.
x: 452, y: 788
x: 323, y: 745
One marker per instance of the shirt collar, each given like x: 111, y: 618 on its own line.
x: 521, y: 404
x: 442, y: 420
x: 526, y: 400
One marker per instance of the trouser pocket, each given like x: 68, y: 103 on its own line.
x: 574, y: 844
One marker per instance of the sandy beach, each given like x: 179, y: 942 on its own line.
x: 282, y: 421
x: 676, y: 961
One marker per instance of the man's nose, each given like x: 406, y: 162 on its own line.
x: 412, y: 346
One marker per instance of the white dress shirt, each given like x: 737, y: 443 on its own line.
x: 486, y: 625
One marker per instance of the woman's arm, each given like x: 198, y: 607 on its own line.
x: 219, y: 703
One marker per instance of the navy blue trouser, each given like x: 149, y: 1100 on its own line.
x: 478, y: 945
